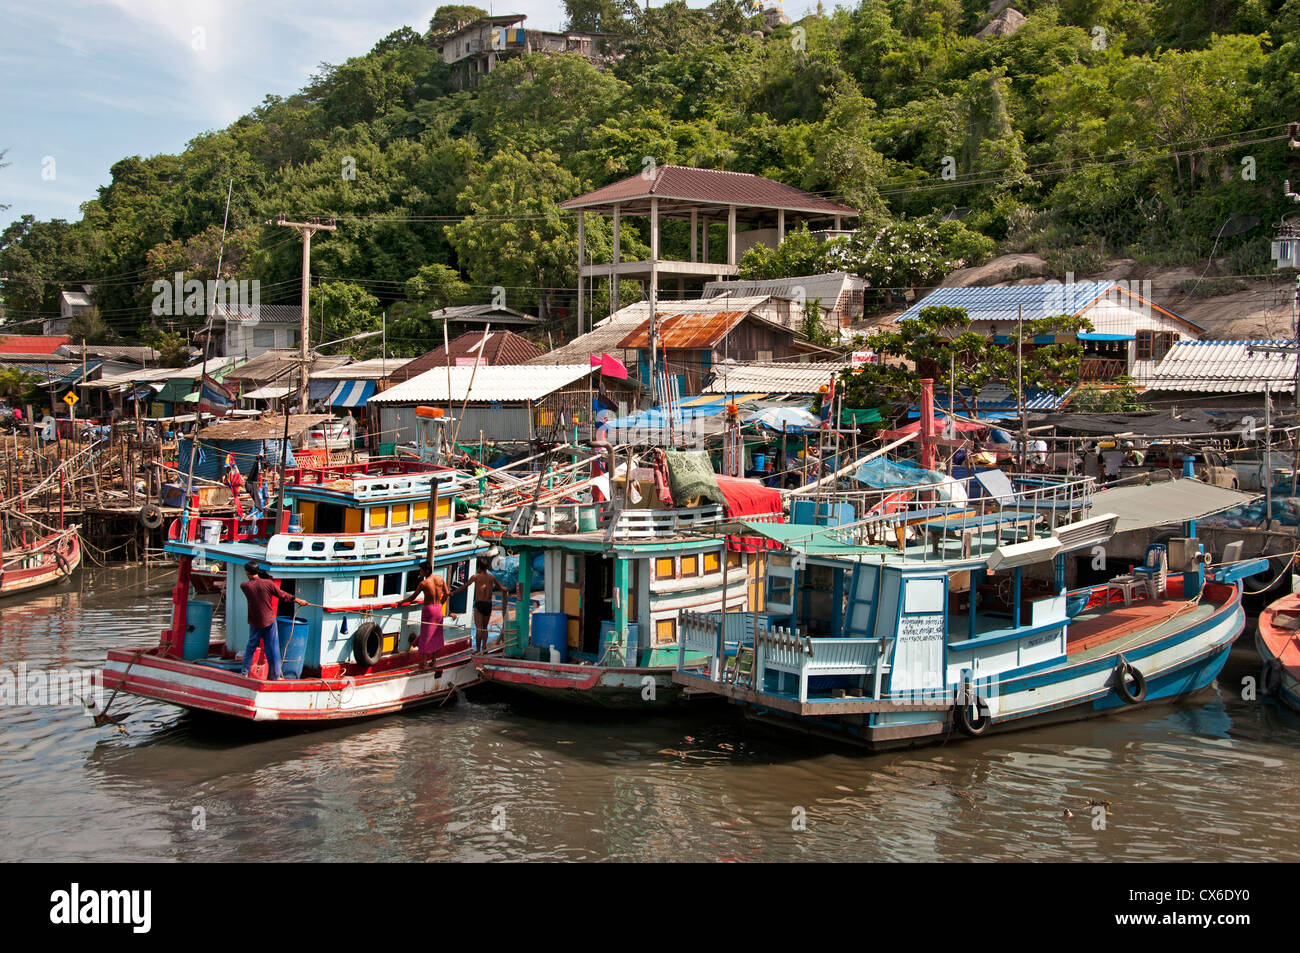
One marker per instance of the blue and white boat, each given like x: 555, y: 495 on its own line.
x: 946, y: 610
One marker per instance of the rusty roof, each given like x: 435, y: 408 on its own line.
x: 707, y: 187
x: 692, y: 329
x: 503, y: 347
x: 262, y: 428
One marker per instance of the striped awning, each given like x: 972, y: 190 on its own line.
x: 352, y: 393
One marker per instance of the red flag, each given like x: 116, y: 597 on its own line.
x: 612, y: 367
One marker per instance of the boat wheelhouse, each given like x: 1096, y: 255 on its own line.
x: 614, y: 583
x: 351, y: 652
x: 932, y: 615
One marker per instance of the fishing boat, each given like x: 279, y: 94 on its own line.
x: 353, y: 554
x: 946, y: 610
x: 615, y: 576
x: 41, y: 562
x: 1278, y: 641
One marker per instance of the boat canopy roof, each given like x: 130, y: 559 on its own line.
x: 1176, y: 501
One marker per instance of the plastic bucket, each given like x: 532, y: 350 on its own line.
x: 587, y: 519
x: 551, y: 630
x: 293, y: 645
x: 211, y: 531
x: 198, y: 629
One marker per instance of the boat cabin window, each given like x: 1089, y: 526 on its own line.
x: 666, y: 568
x: 393, y: 584
x: 712, y: 562
x: 367, y: 586
x: 401, y: 514
x: 378, y: 517
x: 329, y: 518
x: 665, y: 632
x: 690, y: 566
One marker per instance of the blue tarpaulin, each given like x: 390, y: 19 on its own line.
x: 882, y: 474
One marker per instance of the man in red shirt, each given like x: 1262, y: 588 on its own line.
x: 263, y: 597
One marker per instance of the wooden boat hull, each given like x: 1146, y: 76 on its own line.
x: 592, y: 685
x: 56, y: 563
x: 1279, y: 648
x: 203, y: 687
x: 1174, y: 666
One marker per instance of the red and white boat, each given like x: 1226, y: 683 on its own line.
x: 1278, y: 642
x: 44, y: 562
x: 351, y: 652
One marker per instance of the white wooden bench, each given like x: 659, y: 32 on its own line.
x: 781, y: 650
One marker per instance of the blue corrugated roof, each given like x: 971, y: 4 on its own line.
x: 996, y: 399
x: 1004, y: 304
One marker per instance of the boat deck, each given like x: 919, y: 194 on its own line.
x: 1103, y: 630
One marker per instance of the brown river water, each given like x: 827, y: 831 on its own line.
x: 493, y: 778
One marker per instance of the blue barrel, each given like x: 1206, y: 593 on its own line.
x: 551, y: 630
x: 198, y: 629
x: 760, y: 461
x: 293, y: 645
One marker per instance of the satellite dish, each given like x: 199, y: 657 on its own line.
x: 1238, y: 225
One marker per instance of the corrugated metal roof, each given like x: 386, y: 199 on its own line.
x: 262, y: 314
x: 694, y: 329
x: 710, y: 186
x: 30, y: 343
x: 985, y: 303
x: 1224, y: 367
x: 501, y: 383
x: 503, y: 347
x: 77, y: 299
x: 828, y: 287
x: 370, y: 370
x: 216, y: 366
x: 1160, y: 504
x: 730, y: 377
x: 483, y: 312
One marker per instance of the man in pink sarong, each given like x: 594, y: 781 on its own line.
x: 435, y: 592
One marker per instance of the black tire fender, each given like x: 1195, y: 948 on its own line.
x: 150, y: 516
x: 1130, y: 695
x: 61, y: 561
x: 971, y: 727
x: 1270, y: 677
x: 367, y: 644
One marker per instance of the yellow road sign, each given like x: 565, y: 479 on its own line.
x: 70, y: 398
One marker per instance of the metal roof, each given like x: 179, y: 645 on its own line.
x: 483, y: 313
x: 996, y: 303
x: 1159, y: 504
x: 705, y: 186
x: 77, y: 299
x: 31, y: 343
x: 692, y: 329
x: 503, y: 382
x: 262, y: 314
x: 215, y: 366
x: 503, y: 347
x: 1224, y: 367
x: 828, y: 287
x: 730, y: 377
x: 371, y: 370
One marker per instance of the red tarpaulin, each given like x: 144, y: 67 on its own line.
x: 749, y: 499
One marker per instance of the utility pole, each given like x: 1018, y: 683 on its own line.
x: 306, y: 230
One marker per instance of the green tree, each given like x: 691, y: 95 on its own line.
x: 514, y: 235
x: 88, y: 327
x: 346, y: 310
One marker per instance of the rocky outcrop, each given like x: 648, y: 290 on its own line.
x: 1004, y: 24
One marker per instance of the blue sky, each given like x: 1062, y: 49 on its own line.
x: 86, y: 83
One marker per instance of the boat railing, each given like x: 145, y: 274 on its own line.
x: 785, y: 651
x: 349, y: 547
x: 977, y: 516
x: 569, y: 518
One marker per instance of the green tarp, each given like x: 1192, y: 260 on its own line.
x: 691, y: 478
x: 849, y: 417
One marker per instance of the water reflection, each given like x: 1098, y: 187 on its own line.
x: 488, y: 778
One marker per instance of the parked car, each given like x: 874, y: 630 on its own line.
x: 336, y: 434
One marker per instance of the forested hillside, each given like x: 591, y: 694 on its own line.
x: 1097, y: 128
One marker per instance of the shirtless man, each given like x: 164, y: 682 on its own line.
x: 435, y: 591
x: 485, y: 585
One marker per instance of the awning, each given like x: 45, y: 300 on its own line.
x: 1160, y: 504
x: 320, y: 389
x: 1098, y: 336
x: 352, y: 394
x: 813, y: 540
